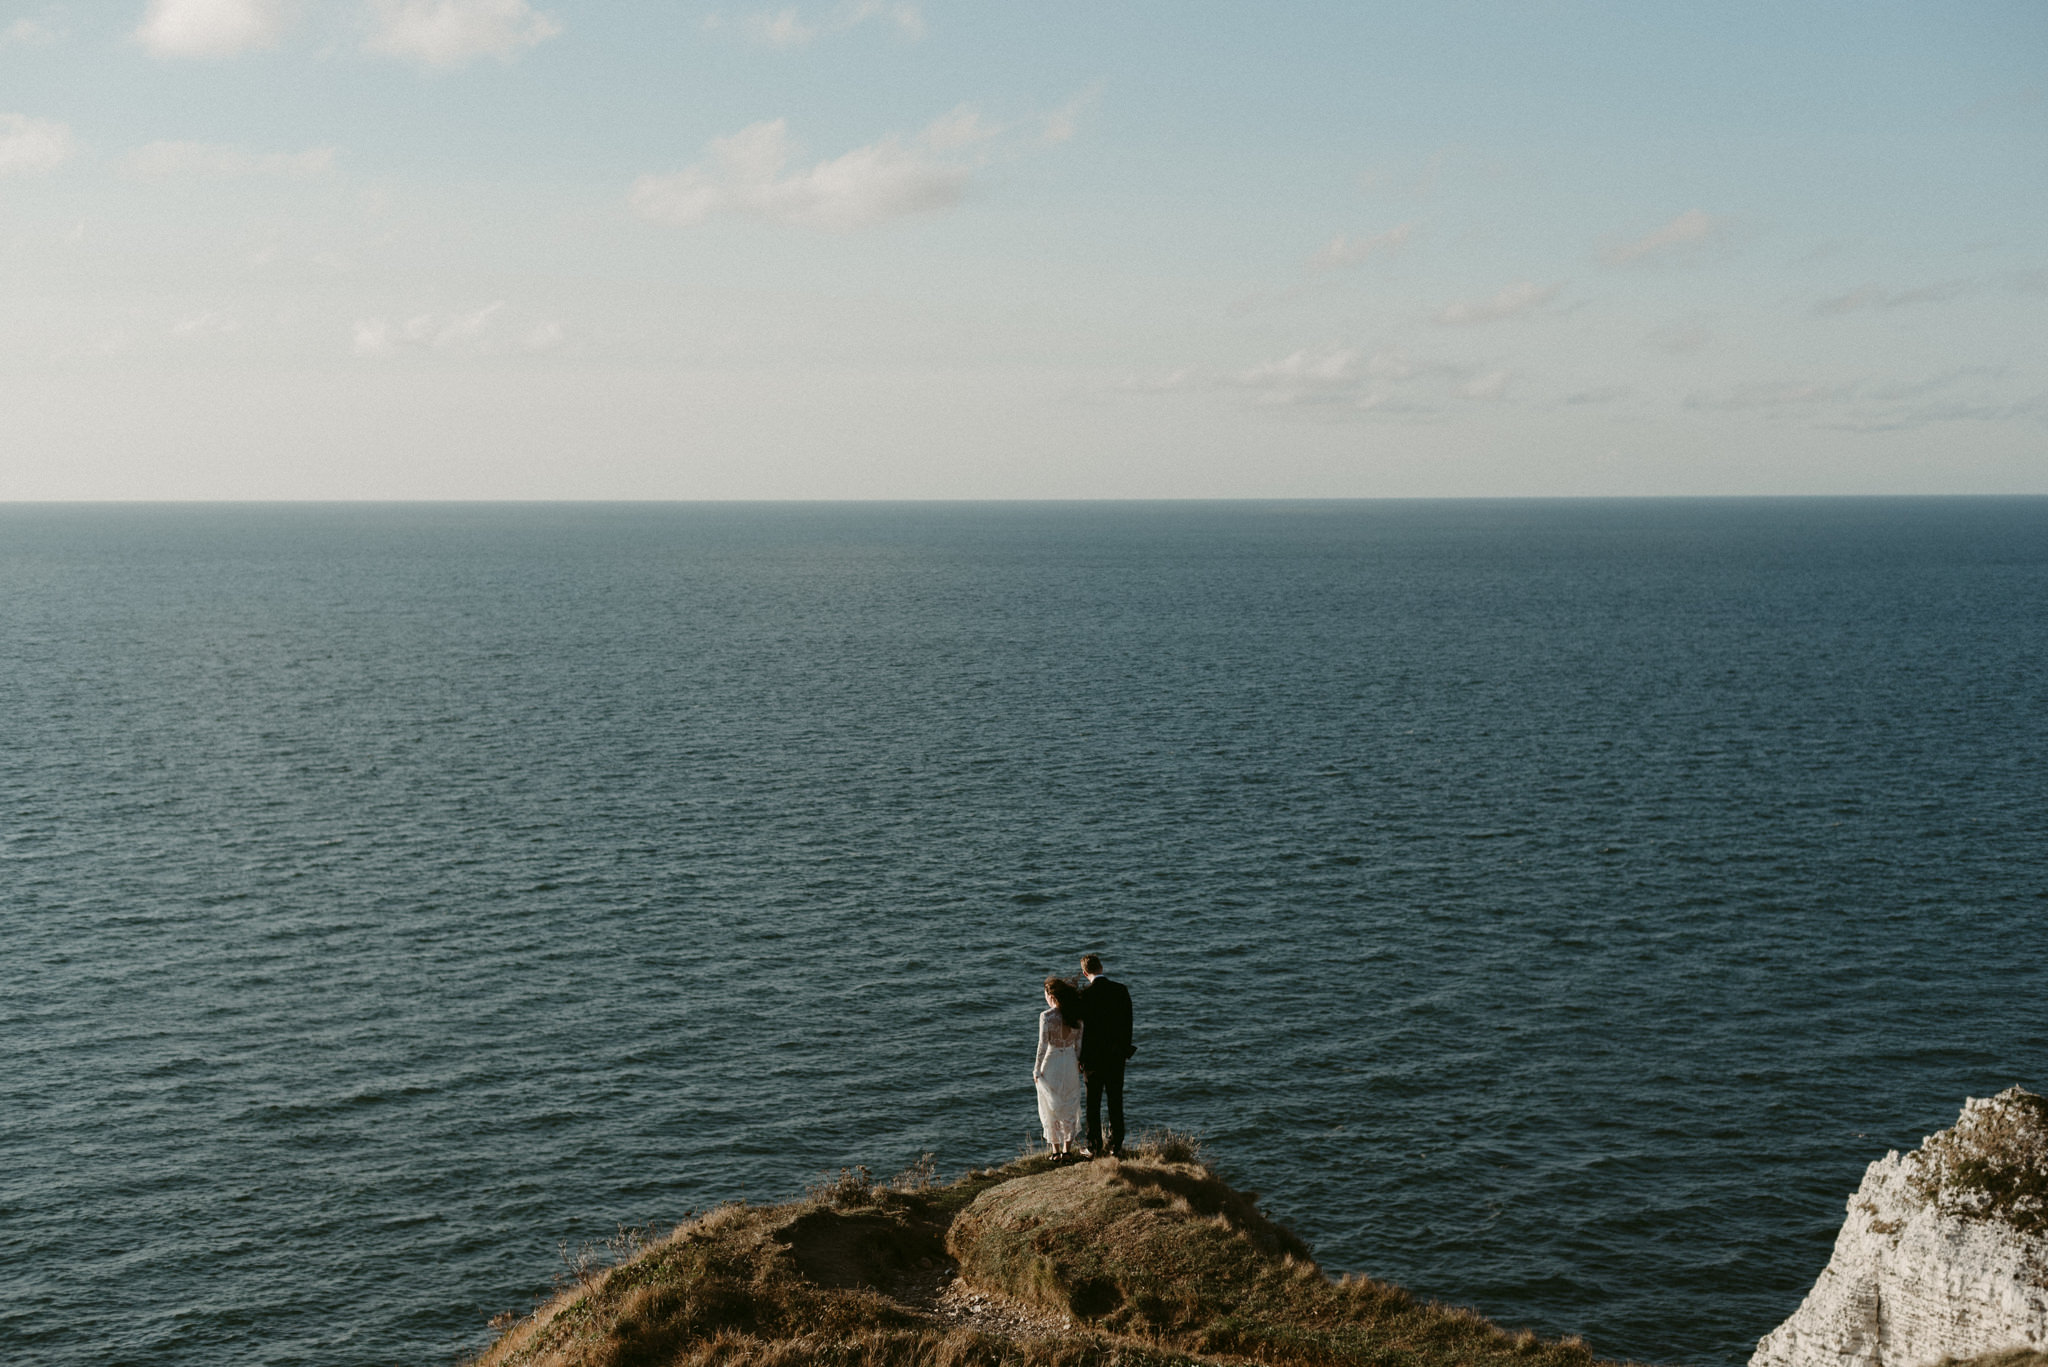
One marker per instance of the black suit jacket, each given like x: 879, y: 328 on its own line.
x: 1106, y: 1018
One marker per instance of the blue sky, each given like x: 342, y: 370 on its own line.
x: 883, y: 249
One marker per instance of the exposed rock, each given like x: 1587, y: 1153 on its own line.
x: 1944, y: 1253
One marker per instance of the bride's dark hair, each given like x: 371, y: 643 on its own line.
x: 1066, y: 999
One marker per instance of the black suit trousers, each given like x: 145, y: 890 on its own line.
x: 1105, y: 1079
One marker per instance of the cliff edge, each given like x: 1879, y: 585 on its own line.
x: 1148, y: 1262
x: 1944, y: 1254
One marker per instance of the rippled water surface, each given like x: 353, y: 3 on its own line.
x: 1548, y: 906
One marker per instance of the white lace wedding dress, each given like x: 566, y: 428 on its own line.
x: 1058, y: 1074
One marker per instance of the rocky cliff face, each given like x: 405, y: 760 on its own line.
x: 1944, y: 1253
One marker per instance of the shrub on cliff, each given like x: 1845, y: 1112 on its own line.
x: 1993, y: 1165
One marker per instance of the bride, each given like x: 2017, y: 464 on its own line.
x: 1058, y: 1069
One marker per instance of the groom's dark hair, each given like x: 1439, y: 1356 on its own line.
x: 1091, y: 964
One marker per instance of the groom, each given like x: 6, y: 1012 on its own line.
x: 1105, y: 1046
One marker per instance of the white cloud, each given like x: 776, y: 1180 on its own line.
x: 1305, y: 374
x: 746, y: 175
x: 1491, y: 384
x: 373, y: 337
x: 1870, y: 296
x: 1682, y: 236
x: 210, y: 324
x: 959, y: 127
x: 1929, y: 415
x: 790, y: 28
x: 1606, y: 393
x: 1965, y: 394
x: 1899, y: 390
x: 963, y: 126
x: 426, y: 331
x: 783, y: 29
x: 448, y: 33
x: 1387, y: 381
x: 1767, y: 394
x: 28, y: 146
x: 908, y: 19
x: 1061, y: 125
x: 1321, y: 376
x: 213, y: 161
x: 1350, y: 251
x: 1511, y: 302
x: 487, y: 331
x: 210, y: 28
x: 458, y: 333
x: 27, y: 33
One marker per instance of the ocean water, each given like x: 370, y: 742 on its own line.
x: 1549, y: 906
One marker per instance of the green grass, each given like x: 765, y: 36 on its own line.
x: 1152, y: 1262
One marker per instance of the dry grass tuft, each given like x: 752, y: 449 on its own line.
x: 1169, y: 1254
x: 852, y: 1187
x: 922, y: 1175
x: 1165, y: 1145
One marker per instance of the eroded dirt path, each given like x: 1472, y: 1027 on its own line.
x: 957, y: 1303
x: 935, y: 1290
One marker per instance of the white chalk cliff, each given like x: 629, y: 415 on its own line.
x: 1944, y: 1253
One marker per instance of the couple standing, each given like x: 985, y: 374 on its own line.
x: 1084, y: 1038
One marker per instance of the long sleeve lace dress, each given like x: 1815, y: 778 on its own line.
x: 1058, y: 1074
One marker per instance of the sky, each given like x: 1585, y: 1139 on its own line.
x: 911, y: 249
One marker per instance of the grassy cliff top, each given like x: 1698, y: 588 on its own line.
x: 1152, y: 1261
x: 1992, y: 1164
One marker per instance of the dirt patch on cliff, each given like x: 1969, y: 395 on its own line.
x: 872, y: 1251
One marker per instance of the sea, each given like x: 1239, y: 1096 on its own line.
x: 1548, y: 906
